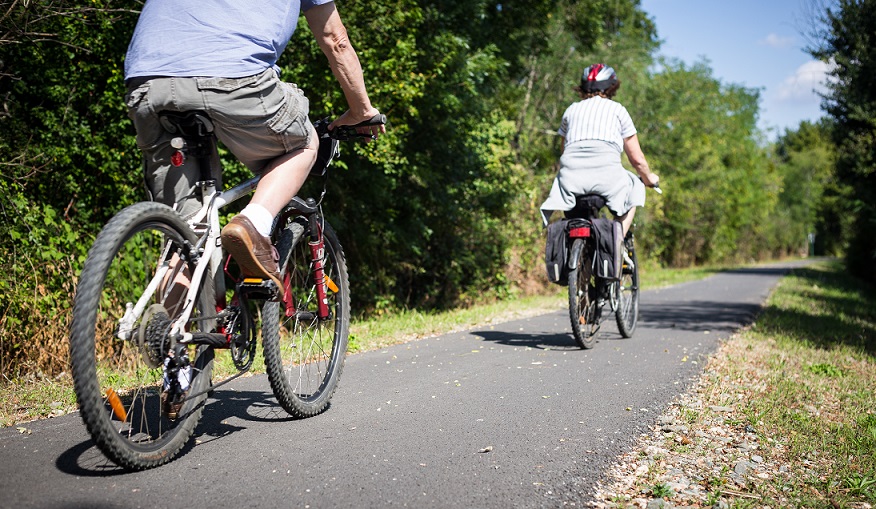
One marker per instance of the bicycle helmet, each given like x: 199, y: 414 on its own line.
x: 598, y: 78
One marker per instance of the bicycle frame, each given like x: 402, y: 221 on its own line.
x: 206, y: 254
x: 205, y: 223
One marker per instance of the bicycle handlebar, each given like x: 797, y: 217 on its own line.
x: 347, y: 132
x: 655, y: 187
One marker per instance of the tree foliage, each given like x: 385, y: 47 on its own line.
x: 847, y: 40
x: 807, y: 204
x: 443, y: 209
x: 68, y: 160
x: 700, y: 137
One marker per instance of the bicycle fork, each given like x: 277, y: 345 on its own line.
x: 322, y: 282
x: 320, y: 278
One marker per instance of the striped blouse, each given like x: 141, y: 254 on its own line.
x: 597, y: 118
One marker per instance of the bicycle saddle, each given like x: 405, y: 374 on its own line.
x: 586, y: 207
x: 186, y: 123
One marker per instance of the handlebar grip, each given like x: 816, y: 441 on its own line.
x: 378, y: 119
x: 347, y: 132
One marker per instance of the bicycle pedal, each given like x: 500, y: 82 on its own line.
x: 257, y: 288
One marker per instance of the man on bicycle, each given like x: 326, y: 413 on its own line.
x: 595, y: 130
x: 221, y: 59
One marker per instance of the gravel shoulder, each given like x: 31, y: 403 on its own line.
x: 705, y: 452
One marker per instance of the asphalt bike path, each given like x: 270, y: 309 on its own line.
x: 498, y: 416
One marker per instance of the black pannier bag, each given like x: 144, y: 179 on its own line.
x: 556, y: 253
x: 608, y: 236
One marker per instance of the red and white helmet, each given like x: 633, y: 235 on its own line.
x: 598, y: 78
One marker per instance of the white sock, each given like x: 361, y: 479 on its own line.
x: 259, y: 217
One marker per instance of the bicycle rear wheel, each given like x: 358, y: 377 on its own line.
x: 627, y: 314
x: 582, y: 301
x: 117, y: 364
x: 304, y: 354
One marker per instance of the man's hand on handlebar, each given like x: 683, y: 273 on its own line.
x: 372, y: 124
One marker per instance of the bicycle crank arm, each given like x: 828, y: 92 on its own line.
x: 214, y: 339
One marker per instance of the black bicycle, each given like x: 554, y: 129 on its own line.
x: 151, y: 306
x: 590, y: 294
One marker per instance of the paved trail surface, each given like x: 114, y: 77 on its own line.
x: 509, y: 415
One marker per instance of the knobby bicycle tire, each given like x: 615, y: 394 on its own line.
x: 581, y: 304
x: 118, y: 383
x: 304, y: 355
x: 627, y: 314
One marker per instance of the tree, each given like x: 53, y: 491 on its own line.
x: 700, y: 136
x: 805, y: 160
x: 847, y: 40
x: 68, y: 161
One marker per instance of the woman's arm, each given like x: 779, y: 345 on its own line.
x: 637, y: 159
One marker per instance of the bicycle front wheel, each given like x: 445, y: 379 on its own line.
x: 582, y: 302
x: 304, y: 353
x: 627, y: 314
x: 117, y: 357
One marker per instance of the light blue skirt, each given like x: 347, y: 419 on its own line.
x: 593, y: 167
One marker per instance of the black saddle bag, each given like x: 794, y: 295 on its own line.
x: 556, y: 253
x: 608, y: 236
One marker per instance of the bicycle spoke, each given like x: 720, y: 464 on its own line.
x: 304, y: 353
x: 119, y: 340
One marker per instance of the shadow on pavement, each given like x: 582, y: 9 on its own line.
x: 86, y: 460
x: 557, y: 342
x: 759, y: 271
x: 697, y: 315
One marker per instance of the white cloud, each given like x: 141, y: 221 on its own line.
x: 777, y: 41
x: 805, y: 83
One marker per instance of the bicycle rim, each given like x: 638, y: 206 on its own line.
x: 581, y: 304
x: 304, y: 355
x: 627, y: 315
x: 119, y: 382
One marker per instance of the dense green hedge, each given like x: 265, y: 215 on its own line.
x: 442, y: 211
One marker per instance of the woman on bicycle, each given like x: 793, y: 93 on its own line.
x: 595, y: 130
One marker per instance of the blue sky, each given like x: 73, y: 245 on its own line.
x: 755, y: 43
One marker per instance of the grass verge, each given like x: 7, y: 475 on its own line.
x: 817, y: 348
x: 784, y: 416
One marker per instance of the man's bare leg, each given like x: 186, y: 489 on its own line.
x: 283, y: 178
x: 174, y: 287
x: 246, y: 236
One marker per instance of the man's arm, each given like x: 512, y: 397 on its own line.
x: 331, y: 35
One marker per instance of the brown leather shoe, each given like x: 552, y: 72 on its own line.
x: 253, y: 253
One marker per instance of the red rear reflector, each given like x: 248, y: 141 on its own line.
x: 575, y: 233
x: 178, y: 158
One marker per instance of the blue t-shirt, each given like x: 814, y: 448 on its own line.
x: 221, y: 38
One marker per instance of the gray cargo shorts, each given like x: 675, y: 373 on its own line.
x: 258, y: 118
